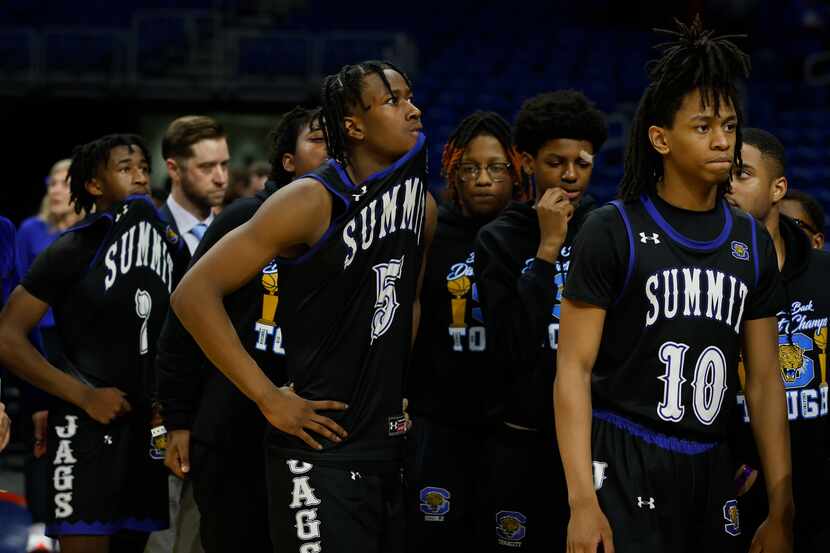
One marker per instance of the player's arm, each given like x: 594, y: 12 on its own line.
x: 579, y: 338
x: 429, y: 232
x: 19, y: 316
x: 294, y: 217
x: 768, y: 416
x: 180, y: 364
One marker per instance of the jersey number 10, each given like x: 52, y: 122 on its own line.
x: 708, y: 383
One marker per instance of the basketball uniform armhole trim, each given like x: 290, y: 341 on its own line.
x: 755, y: 252
x: 419, y: 144
x: 631, y: 255
x: 700, y: 245
x: 333, y: 222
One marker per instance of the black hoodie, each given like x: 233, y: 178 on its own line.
x: 802, y: 343
x: 194, y: 394
x: 520, y: 297
x: 451, y: 377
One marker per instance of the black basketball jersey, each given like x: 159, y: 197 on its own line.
x: 347, y: 307
x: 109, y: 280
x: 671, y: 341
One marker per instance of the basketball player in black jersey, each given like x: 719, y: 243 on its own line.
x: 760, y: 187
x: 522, y: 260
x: 349, y: 239
x: 667, y: 286
x: 449, y: 386
x: 108, y: 280
x: 208, y: 419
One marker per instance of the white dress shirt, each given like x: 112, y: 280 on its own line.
x: 185, y: 221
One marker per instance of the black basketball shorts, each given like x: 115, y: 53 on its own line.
x: 661, y: 493
x: 315, y: 509
x: 103, y: 479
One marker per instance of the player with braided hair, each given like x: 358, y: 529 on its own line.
x: 350, y: 238
x: 668, y: 286
x: 449, y: 385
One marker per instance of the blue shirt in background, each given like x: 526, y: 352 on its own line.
x: 8, y: 269
x: 33, y: 237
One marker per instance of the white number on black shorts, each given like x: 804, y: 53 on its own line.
x: 386, y: 304
x: 708, y: 383
x: 143, y: 306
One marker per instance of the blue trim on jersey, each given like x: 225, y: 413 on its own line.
x: 380, y: 174
x: 89, y: 221
x: 97, y: 528
x: 670, y: 443
x: 144, y: 198
x: 631, y: 255
x: 688, y: 242
x: 334, y: 222
x: 96, y: 217
x: 754, y: 253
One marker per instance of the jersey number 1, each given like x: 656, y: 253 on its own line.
x: 708, y: 383
x: 386, y: 304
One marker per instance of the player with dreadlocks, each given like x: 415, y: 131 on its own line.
x: 668, y: 285
x: 349, y: 238
x: 208, y: 420
x: 108, y: 281
x: 522, y: 259
x: 449, y: 386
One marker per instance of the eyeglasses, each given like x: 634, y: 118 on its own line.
x: 806, y: 226
x: 498, y: 172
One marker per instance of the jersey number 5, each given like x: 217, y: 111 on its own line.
x: 386, y: 304
x: 708, y: 383
x: 143, y: 306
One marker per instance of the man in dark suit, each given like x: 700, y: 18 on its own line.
x: 195, y: 150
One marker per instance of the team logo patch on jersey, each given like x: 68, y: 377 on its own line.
x: 435, y: 503
x: 797, y: 369
x: 732, y: 526
x: 740, y: 250
x: 511, y: 528
x: 171, y: 235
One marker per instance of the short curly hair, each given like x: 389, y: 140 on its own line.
x: 559, y: 114
x: 86, y: 160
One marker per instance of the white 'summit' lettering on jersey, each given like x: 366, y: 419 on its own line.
x: 679, y: 291
x: 145, y: 248
x: 382, y: 219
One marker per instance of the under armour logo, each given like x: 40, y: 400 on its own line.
x: 644, y: 238
x: 359, y: 194
x: 641, y: 503
x: 355, y: 475
x: 107, y: 439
